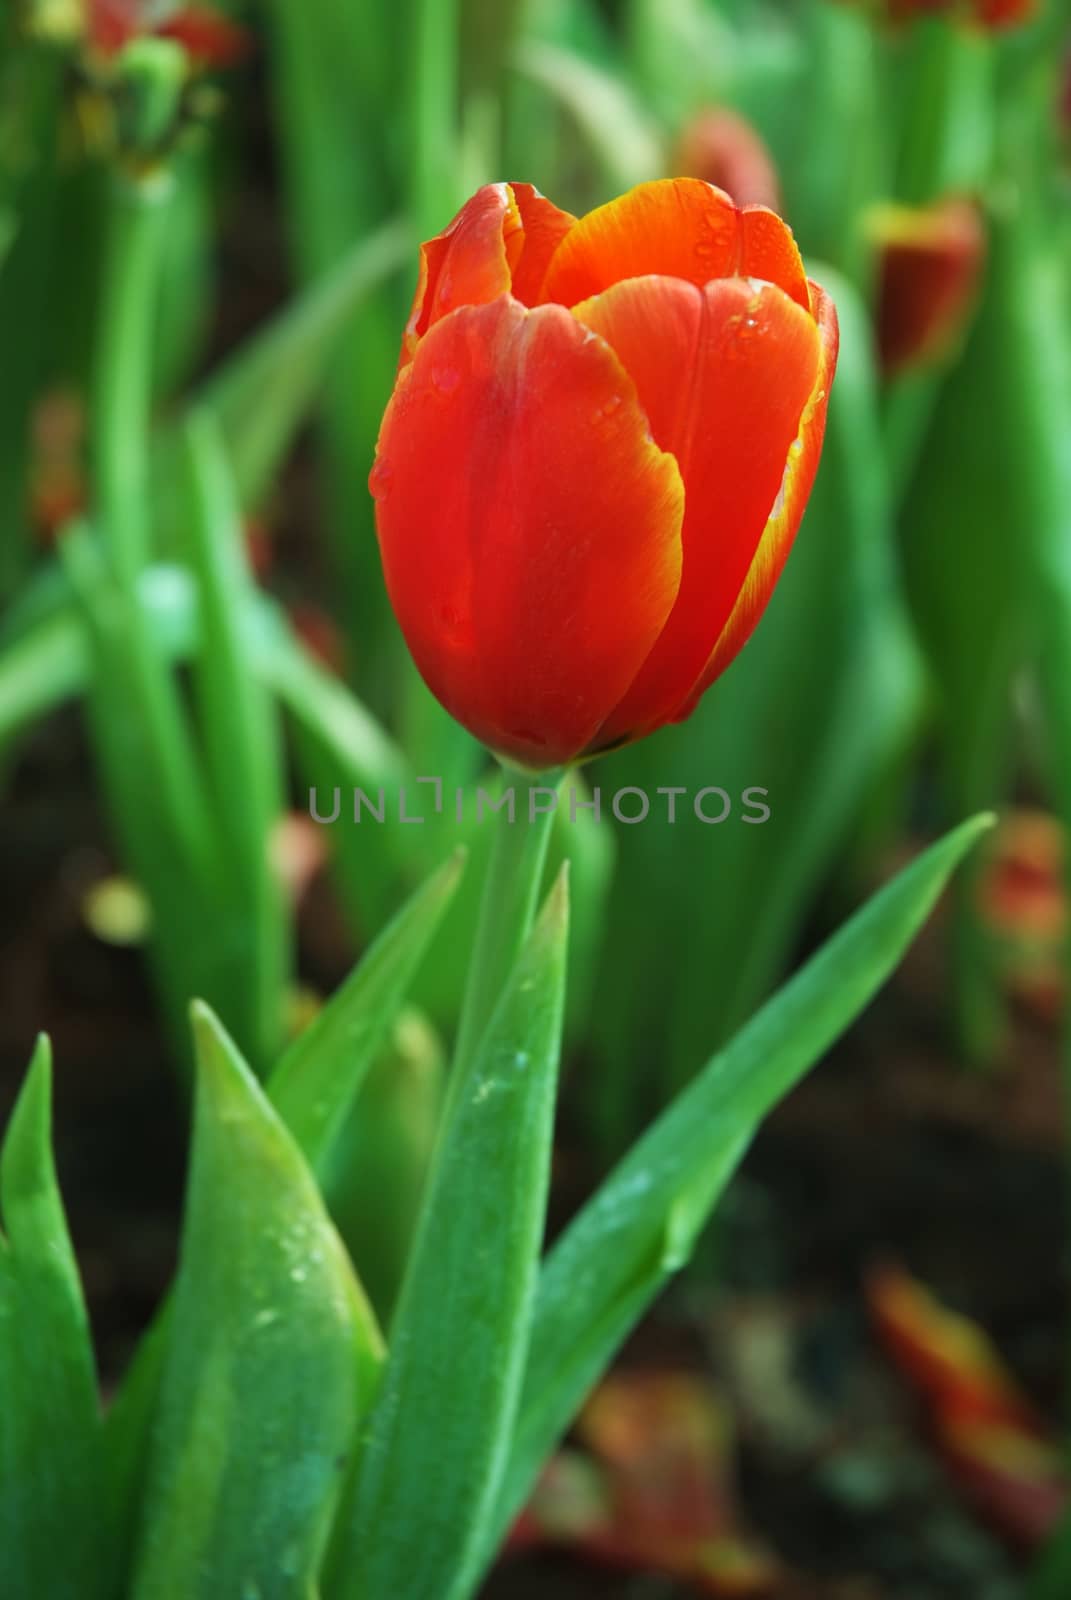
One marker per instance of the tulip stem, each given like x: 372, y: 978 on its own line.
x: 123, y: 392
x: 510, y: 895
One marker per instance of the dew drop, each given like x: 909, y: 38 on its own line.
x: 607, y: 409
x: 379, y: 479
x: 445, y: 379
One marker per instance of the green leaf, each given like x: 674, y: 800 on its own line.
x: 39, y: 670
x: 375, y: 1177
x: 315, y: 1083
x: 643, y: 1222
x: 339, y: 746
x: 338, y: 74
x: 981, y: 512
x: 438, y: 1436
x: 242, y: 750
x: 617, y: 127
x: 50, y: 1522
x: 263, y: 393
x: 272, y: 1357
x: 1050, y: 1578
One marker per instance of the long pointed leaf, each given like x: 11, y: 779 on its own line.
x: 641, y: 1225
x: 264, y: 392
x: 50, y: 1523
x: 438, y: 1437
x: 272, y: 1356
x: 318, y: 1078
x: 242, y: 750
x: 311, y: 1088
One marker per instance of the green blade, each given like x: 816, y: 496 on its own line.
x: 271, y: 1359
x: 314, y: 1085
x: 240, y: 735
x: 317, y: 1080
x: 642, y: 1223
x: 437, y: 1440
x: 50, y: 1522
x: 262, y: 394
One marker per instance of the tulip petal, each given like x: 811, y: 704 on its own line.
x: 500, y: 241
x: 677, y: 228
x: 545, y: 226
x: 530, y: 528
x: 724, y: 374
x: 780, y: 530
x: 468, y: 263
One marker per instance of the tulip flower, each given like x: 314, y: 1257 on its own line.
x: 929, y: 261
x: 599, y: 447
x: 722, y: 148
x: 994, y: 14
x: 209, y: 37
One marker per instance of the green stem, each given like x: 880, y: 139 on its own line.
x: 433, y: 112
x: 948, y: 135
x: 123, y: 388
x: 510, y: 893
x: 121, y: 456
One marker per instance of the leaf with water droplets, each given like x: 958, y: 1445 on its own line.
x: 439, y: 1433
x: 272, y: 1355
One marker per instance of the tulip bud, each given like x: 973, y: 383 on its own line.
x: 722, y: 148
x: 598, y: 451
x: 929, y: 263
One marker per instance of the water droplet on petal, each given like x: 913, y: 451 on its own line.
x: 445, y: 379
x: 379, y: 479
x: 607, y: 409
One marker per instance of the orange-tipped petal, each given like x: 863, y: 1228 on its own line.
x: 468, y: 263
x: 677, y: 228
x: 780, y: 531
x: 544, y: 229
x: 724, y: 374
x: 500, y: 241
x: 529, y: 526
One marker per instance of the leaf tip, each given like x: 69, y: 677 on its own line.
x: 219, y: 1060
x: 555, y: 916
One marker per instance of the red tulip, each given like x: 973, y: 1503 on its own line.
x: 598, y: 451
x: 724, y: 149
x: 210, y: 38
x: 993, y: 14
x: 929, y: 262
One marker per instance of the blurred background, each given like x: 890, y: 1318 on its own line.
x: 208, y: 229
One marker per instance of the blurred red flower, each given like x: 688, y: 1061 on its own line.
x: 210, y: 38
x: 989, y: 13
x: 598, y: 451
x: 929, y: 262
x: 991, y: 1438
x: 722, y: 148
